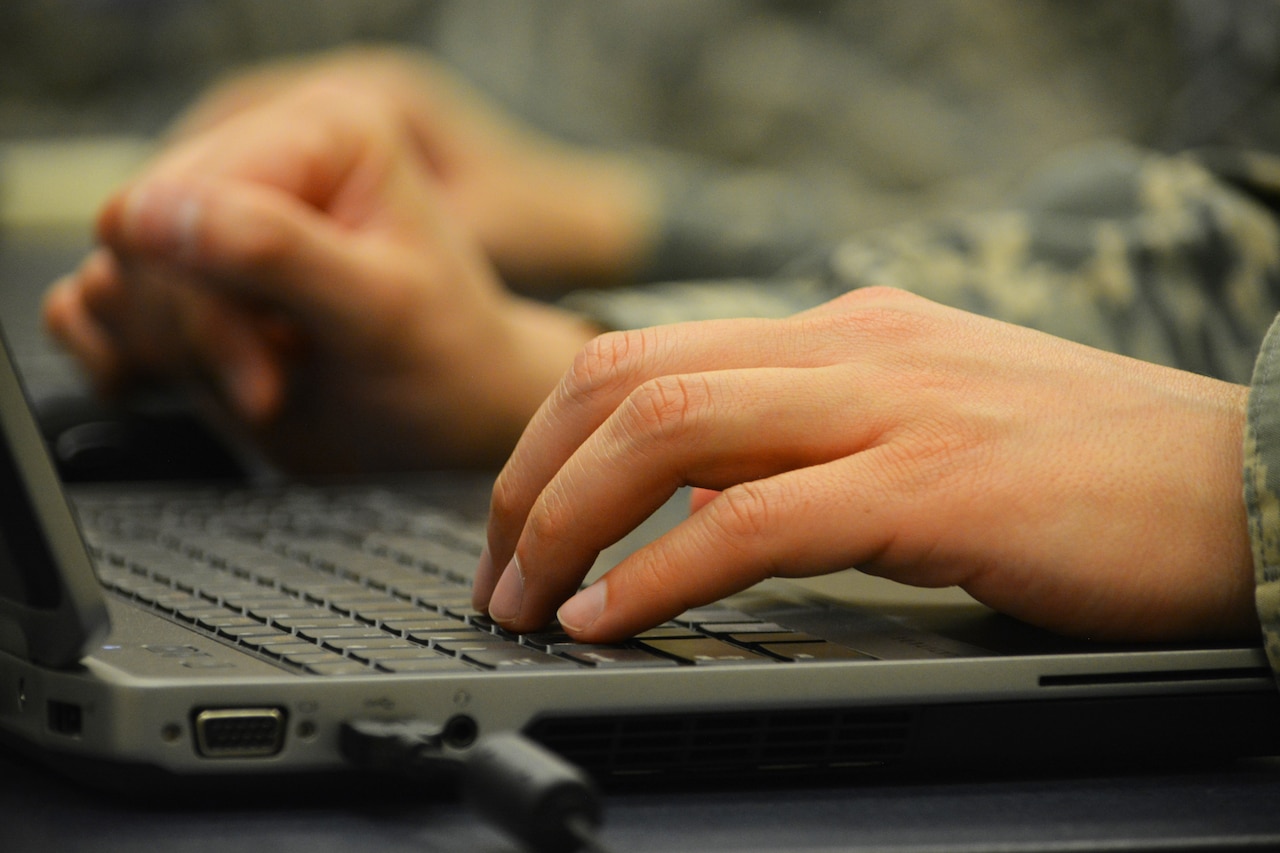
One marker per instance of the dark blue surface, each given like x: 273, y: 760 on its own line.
x: 1221, y: 809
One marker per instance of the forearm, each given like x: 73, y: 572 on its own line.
x: 1142, y: 255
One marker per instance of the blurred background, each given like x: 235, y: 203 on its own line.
x: 825, y: 116
x: 901, y: 104
x: 854, y: 113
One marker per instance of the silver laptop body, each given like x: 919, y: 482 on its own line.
x: 112, y: 660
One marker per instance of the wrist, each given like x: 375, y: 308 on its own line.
x: 588, y: 220
x: 535, y: 347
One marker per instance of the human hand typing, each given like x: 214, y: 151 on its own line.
x: 1075, y: 489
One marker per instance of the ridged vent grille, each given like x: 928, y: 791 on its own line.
x: 717, y: 743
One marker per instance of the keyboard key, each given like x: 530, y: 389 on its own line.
x: 324, y: 634
x: 388, y: 610
x: 475, y: 644
x: 429, y: 555
x: 379, y: 655
x: 437, y: 664
x: 612, y: 657
x: 669, y: 632
x: 705, y: 651
x: 754, y: 627
x: 712, y: 613
x: 174, y: 599
x: 252, y: 633
x: 545, y: 640
x: 460, y: 633
x: 507, y: 656
x: 284, y: 649
x: 420, y: 624
x: 757, y: 639
x: 265, y: 642
x: 350, y: 607
x: 259, y: 603
x: 214, y: 621
x: 811, y: 652
x: 343, y: 667
x: 193, y: 612
x: 317, y: 621
x: 460, y: 608
x: 311, y: 655
x: 348, y: 644
x: 295, y: 609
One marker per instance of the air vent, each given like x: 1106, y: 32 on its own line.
x: 762, y: 742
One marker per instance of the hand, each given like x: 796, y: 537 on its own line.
x: 1075, y: 489
x: 548, y: 215
x: 298, y: 261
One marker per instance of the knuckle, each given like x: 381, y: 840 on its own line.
x: 664, y: 584
x: 551, y: 522
x: 606, y: 356
x: 270, y: 245
x: 889, y: 321
x: 878, y: 294
x: 503, y: 501
x: 745, y: 513
x: 606, y: 363
x: 665, y: 409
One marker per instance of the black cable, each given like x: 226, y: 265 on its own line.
x: 545, y: 802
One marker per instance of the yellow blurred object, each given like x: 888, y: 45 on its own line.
x: 60, y: 183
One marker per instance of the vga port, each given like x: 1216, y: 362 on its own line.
x: 239, y: 732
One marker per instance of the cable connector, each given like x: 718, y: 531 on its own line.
x: 533, y: 794
x: 407, y: 747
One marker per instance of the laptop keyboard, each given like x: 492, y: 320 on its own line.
x: 343, y: 582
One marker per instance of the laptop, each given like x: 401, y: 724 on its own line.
x: 171, y: 633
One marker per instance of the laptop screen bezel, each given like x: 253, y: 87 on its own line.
x: 59, y: 626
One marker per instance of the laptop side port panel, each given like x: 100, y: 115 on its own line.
x: 239, y: 732
x: 64, y: 718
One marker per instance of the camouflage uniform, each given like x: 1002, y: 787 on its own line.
x: 1171, y: 259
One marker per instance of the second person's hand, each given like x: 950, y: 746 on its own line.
x: 298, y: 264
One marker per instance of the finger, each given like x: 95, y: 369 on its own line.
x: 246, y: 242
x: 601, y: 376
x: 799, y: 523
x: 75, y: 328
x: 304, y: 143
x: 149, y: 324
x: 230, y: 347
x: 698, y: 498
x: 712, y: 429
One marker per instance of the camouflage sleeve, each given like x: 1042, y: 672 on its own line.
x: 1262, y: 488
x: 1153, y: 256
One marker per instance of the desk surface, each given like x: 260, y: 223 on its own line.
x: 1230, y: 809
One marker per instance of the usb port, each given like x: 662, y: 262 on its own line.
x: 239, y: 732
x: 65, y: 718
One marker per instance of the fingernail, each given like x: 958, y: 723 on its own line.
x: 504, y: 606
x: 163, y: 217
x: 578, y: 613
x: 485, y: 578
